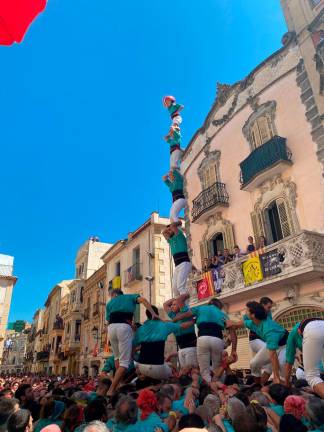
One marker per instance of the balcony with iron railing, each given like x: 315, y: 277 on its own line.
x: 299, y: 257
x: 266, y: 161
x: 133, y: 273
x: 215, y: 196
x: 42, y: 356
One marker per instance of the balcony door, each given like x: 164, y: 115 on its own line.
x: 277, y: 221
x: 216, y: 244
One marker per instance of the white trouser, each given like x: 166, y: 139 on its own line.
x: 177, y: 120
x: 313, y: 350
x: 175, y: 158
x: 300, y: 374
x: 188, y: 357
x: 121, y: 339
x: 179, y: 280
x: 262, y: 360
x: 255, y: 346
x: 209, y: 348
x: 159, y: 372
x: 176, y: 208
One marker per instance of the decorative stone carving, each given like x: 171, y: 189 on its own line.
x: 227, y: 116
x: 288, y: 37
x: 300, y: 253
x: 216, y: 224
x: 267, y: 109
x: 223, y: 92
x: 293, y: 294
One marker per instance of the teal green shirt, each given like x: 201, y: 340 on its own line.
x: 175, y: 139
x: 210, y: 314
x: 174, y: 107
x: 268, y: 330
x: 155, y: 331
x: 122, y: 303
x: 177, y: 183
x: 178, y: 243
x: 153, y: 421
x: 115, y: 426
x: 110, y: 366
x: 278, y: 409
x: 294, y: 341
x: 181, y: 330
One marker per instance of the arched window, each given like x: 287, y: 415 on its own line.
x: 274, y: 222
x: 294, y: 315
x: 216, y: 244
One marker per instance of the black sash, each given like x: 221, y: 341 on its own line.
x: 253, y: 336
x: 174, y: 147
x: 177, y: 194
x: 284, y: 338
x: 180, y: 257
x: 121, y: 318
x: 152, y: 353
x: 210, y: 329
x: 304, y: 323
x: 188, y: 340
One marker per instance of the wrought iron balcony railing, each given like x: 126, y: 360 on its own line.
x: 264, y: 157
x: 213, y: 196
x: 133, y: 273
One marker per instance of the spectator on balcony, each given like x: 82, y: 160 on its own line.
x: 216, y: 263
x: 251, y: 246
x: 119, y: 314
x: 174, y: 181
x: 237, y: 253
x: 226, y: 256
x: 179, y: 251
x: 206, y: 265
x: 262, y: 243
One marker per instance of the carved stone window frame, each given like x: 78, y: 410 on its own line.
x: 216, y: 224
x: 273, y: 190
x: 212, y: 157
x: 268, y: 110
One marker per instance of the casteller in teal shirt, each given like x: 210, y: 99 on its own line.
x: 178, y: 243
x: 121, y: 307
x: 268, y: 330
x: 177, y: 183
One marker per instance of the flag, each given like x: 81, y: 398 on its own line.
x: 205, y: 286
x: 15, y: 18
x: 130, y: 274
x: 252, y: 271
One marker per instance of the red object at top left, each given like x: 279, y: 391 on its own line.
x: 15, y: 18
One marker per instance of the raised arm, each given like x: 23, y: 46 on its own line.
x: 167, y: 305
x: 183, y: 315
x: 148, y: 306
x: 233, y: 335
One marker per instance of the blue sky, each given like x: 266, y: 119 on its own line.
x: 82, y: 121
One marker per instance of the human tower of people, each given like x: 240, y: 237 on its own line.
x: 143, y: 390
x: 273, y: 347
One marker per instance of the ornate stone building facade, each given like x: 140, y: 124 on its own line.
x: 255, y: 167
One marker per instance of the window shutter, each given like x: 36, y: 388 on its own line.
x: 258, y: 225
x: 256, y: 140
x: 203, y: 251
x: 229, y: 240
x: 264, y: 129
x: 284, y: 216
